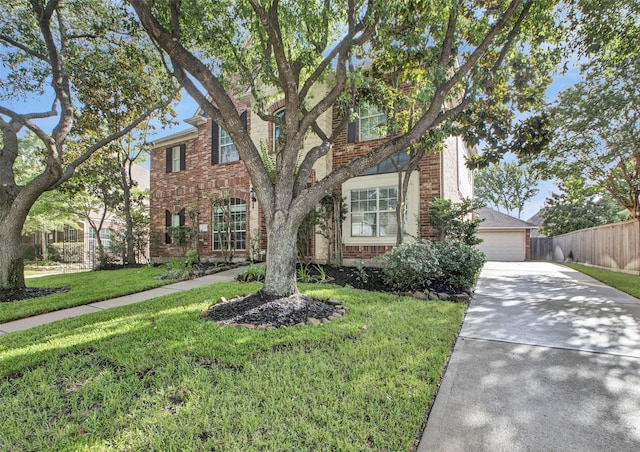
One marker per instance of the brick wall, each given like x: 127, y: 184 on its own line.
x: 193, y: 187
x: 430, y: 187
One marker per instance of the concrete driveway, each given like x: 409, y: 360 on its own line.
x: 548, y: 359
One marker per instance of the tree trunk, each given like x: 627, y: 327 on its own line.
x: 130, y: 253
x: 280, y: 279
x: 11, y: 257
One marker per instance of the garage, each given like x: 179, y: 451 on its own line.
x: 504, y: 238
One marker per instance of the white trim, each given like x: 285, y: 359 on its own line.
x: 381, y: 180
x: 176, y: 138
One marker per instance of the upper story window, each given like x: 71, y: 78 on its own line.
x: 228, y: 151
x: 277, y: 129
x: 223, y: 150
x: 371, y: 122
x: 176, y: 158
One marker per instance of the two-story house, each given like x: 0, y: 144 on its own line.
x: 192, y: 167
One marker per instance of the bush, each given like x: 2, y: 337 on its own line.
x: 460, y: 263
x: 253, y: 273
x: 411, y: 266
x: 177, y: 269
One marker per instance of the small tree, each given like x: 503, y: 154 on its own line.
x: 454, y: 221
x: 223, y: 223
x: 506, y: 185
x: 578, y: 206
x: 333, y: 212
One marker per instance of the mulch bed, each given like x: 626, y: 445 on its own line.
x: 27, y: 293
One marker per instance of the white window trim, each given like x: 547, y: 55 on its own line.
x: 175, y: 159
x: 214, y: 231
x: 380, y: 113
x: 230, y: 144
x: 381, y: 180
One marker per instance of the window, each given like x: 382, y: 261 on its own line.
x: 223, y: 150
x: 277, y: 129
x: 228, y: 151
x: 373, y: 212
x: 173, y: 219
x: 230, y: 225
x: 371, y: 122
x: 401, y: 158
x: 176, y: 158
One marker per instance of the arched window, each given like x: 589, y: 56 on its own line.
x: 230, y: 225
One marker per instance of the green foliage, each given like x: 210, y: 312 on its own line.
x: 595, y: 122
x: 460, y: 263
x: 578, y: 206
x: 253, y: 273
x: 84, y: 288
x: 411, y: 266
x: 621, y: 281
x: 454, y: 220
x: 506, y: 185
x: 178, y: 269
x: 154, y: 375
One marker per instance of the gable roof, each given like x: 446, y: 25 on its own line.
x: 494, y: 219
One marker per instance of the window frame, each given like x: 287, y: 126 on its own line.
x: 233, y: 202
x: 230, y: 144
x: 377, y: 133
x: 379, y: 181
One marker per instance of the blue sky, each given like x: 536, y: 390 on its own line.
x: 187, y: 107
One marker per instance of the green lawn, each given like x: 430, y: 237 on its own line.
x: 85, y: 287
x: 155, y: 376
x: 621, y: 281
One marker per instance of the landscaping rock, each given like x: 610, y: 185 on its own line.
x: 443, y: 296
x: 313, y: 321
x: 420, y: 296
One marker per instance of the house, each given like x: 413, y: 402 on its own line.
x: 191, y: 168
x: 504, y: 238
x: 75, y: 245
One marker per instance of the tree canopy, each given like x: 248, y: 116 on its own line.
x: 506, y: 186
x: 92, y: 68
x: 476, y: 57
x: 597, y: 122
x: 578, y: 205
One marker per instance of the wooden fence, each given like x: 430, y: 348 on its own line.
x: 615, y: 246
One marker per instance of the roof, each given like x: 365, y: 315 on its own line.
x: 536, y: 219
x: 494, y: 219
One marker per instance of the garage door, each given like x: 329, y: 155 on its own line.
x: 503, y: 245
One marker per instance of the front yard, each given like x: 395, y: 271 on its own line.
x: 84, y: 288
x: 155, y: 376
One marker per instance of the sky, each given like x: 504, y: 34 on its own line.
x: 186, y: 108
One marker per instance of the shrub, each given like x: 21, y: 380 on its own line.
x: 253, y: 273
x: 411, y: 266
x: 460, y: 263
x: 177, y: 269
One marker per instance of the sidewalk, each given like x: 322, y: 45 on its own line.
x: 548, y: 359
x: 43, y: 319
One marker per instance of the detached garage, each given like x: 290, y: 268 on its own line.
x: 505, y: 238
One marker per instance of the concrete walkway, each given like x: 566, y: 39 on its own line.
x: 43, y: 319
x: 548, y: 359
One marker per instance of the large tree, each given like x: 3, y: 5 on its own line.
x: 597, y: 121
x: 506, y: 185
x: 89, y: 62
x: 578, y: 205
x: 489, y: 54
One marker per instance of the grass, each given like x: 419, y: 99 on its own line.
x: 154, y: 376
x: 85, y: 287
x: 621, y: 281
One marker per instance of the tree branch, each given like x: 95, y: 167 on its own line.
x: 71, y: 167
x: 24, y: 48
